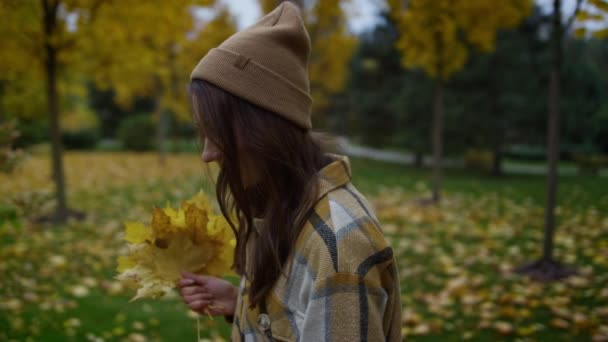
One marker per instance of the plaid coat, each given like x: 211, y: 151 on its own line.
x: 342, y: 282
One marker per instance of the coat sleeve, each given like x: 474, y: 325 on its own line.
x: 345, y: 307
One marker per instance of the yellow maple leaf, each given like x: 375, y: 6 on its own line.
x: 189, y: 239
x: 200, y: 201
x: 136, y: 232
x: 177, y: 217
x: 182, y: 254
x: 161, y: 224
x: 125, y: 263
x: 198, y: 219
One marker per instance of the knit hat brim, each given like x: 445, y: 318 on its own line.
x: 225, y: 68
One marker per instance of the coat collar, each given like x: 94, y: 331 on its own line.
x: 334, y: 175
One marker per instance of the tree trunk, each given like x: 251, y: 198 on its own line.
x: 553, y: 132
x: 418, y: 159
x: 437, y: 139
x: 497, y: 139
x: 50, y: 19
x: 545, y: 268
x: 56, y: 146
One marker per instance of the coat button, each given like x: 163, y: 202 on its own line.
x: 263, y: 322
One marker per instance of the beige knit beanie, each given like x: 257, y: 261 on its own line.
x: 266, y: 64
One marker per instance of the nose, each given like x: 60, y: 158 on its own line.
x: 210, y: 152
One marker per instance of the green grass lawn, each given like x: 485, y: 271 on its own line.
x: 486, y: 227
x: 455, y: 261
x: 573, y: 190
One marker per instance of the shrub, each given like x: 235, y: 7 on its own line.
x: 84, y: 139
x: 80, y: 129
x: 526, y: 152
x: 137, y: 132
x: 32, y: 132
x: 477, y: 159
x: 9, y: 157
x: 591, y: 163
x: 7, y: 214
x: 108, y: 145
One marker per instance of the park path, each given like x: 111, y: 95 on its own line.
x: 397, y: 157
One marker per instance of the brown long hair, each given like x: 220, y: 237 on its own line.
x: 286, y: 159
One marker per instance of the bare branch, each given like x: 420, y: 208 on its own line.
x: 570, y: 21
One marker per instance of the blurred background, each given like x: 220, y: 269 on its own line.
x: 478, y: 130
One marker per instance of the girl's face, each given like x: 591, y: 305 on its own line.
x: 211, y: 153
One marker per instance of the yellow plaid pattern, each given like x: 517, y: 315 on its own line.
x: 342, y: 282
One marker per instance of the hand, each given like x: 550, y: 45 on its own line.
x: 208, y: 295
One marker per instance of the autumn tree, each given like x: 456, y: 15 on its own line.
x: 134, y: 49
x: 435, y: 36
x: 40, y: 48
x: 498, y: 94
x: 381, y: 97
x: 332, y: 46
x: 161, y: 45
x: 547, y: 268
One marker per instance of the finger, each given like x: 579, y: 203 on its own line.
x: 200, y: 279
x: 198, y: 296
x: 190, y: 290
x: 186, y: 282
x: 199, y: 304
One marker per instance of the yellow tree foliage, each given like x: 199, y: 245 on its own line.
x: 152, y: 39
x: 42, y: 45
x: 150, y: 49
x: 131, y: 47
x: 23, y: 57
x: 332, y: 46
x: 593, y: 20
x: 435, y: 34
x: 23, y: 92
x: 192, y: 50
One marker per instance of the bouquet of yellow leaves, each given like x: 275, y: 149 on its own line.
x: 190, y: 239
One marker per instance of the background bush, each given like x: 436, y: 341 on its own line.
x: 80, y: 129
x: 84, y: 139
x: 31, y: 132
x: 137, y: 132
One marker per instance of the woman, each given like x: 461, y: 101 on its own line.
x: 313, y: 261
